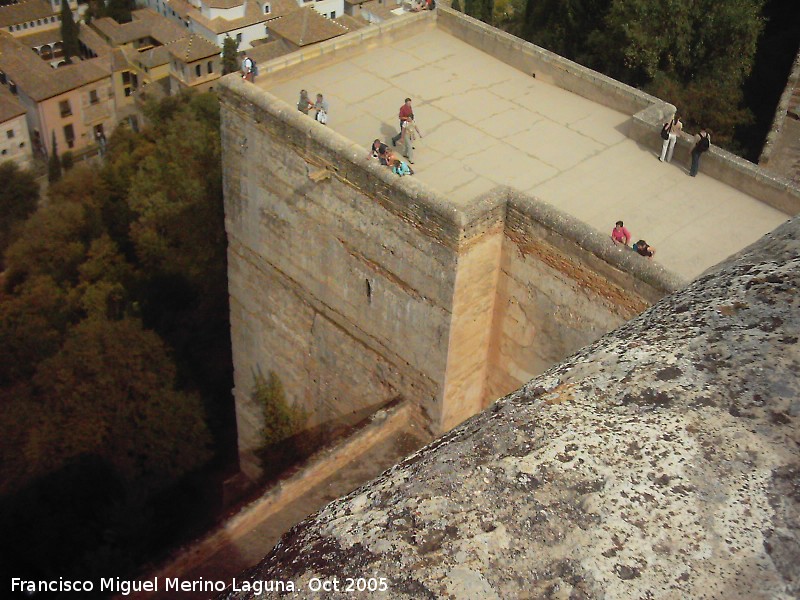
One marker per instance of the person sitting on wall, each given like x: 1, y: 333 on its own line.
x: 378, y: 150
x: 644, y: 249
x: 400, y: 168
x: 620, y: 234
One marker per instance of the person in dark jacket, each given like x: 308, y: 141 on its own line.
x: 702, y: 145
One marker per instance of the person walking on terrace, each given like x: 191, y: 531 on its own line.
x: 702, y: 145
x: 408, y: 134
x: 247, y: 68
x: 671, y: 129
x: 405, y: 113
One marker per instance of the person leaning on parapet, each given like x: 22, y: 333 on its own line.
x: 304, y: 104
x: 702, y: 145
x: 378, y: 150
x: 408, y: 134
x: 669, y: 133
x: 405, y: 113
x: 247, y: 68
x: 620, y: 234
x: 321, y: 106
x: 644, y: 249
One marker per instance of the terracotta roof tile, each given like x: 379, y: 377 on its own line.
x: 192, y: 48
x: 36, y: 79
x: 10, y: 106
x: 29, y: 10
x: 306, y: 26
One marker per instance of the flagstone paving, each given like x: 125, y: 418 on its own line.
x: 487, y: 124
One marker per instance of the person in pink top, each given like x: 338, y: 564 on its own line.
x: 620, y: 234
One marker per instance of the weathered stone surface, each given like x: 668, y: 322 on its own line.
x: 662, y: 461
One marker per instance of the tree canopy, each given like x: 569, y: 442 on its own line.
x: 69, y: 32
x: 114, y: 327
x: 695, y: 54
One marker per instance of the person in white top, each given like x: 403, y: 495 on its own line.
x: 673, y: 129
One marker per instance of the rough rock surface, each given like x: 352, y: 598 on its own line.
x: 663, y: 461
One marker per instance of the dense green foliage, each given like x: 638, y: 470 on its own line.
x: 19, y: 195
x: 69, y: 33
x: 480, y: 9
x: 281, y: 421
x: 114, y: 328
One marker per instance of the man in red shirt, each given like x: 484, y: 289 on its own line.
x: 406, y: 113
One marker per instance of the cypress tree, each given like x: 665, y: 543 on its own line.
x: 69, y: 33
x: 54, y: 164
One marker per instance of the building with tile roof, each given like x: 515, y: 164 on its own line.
x: 305, y: 26
x: 31, y: 16
x: 74, y: 102
x: 15, y: 143
x: 195, y: 63
x: 246, y: 21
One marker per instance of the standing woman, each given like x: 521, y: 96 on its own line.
x: 672, y: 129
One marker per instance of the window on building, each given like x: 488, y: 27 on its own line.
x: 4, y: 152
x: 126, y: 77
x: 69, y: 135
x: 267, y: 8
x: 66, y: 109
x: 10, y: 134
x: 333, y: 15
x: 93, y: 97
x: 197, y: 70
x: 239, y: 38
x: 210, y: 66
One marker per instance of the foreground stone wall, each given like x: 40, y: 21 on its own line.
x: 663, y: 461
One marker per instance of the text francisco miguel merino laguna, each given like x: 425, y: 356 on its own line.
x: 117, y: 585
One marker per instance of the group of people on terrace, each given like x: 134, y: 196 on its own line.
x: 670, y: 132
x: 622, y: 237
x: 408, y: 134
x: 320, y: 106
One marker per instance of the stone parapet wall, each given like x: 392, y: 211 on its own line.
x: 561, y: 285
x: 543, y: 64
x: 771, y: 189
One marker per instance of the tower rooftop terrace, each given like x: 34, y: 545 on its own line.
x: 486, y: 123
